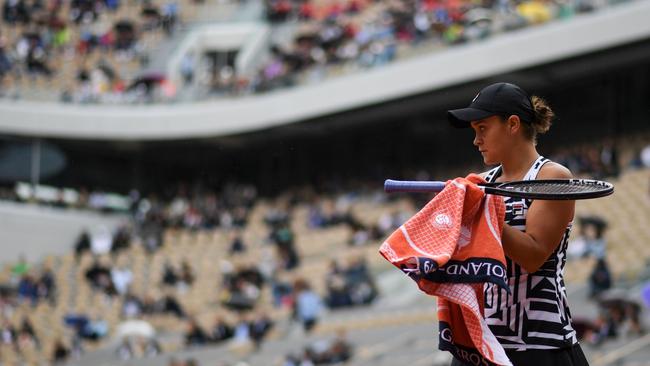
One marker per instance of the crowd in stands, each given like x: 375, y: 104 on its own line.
x: 597, y: 160
x: 349, y: 286
x: 39, y: 38
x: 241, y: 283
x: 26, y: 286
x: 240, y: 286
x: 618, y: 317
x: 332, y: 37
x: 334, y: 351
x: 351, y: 35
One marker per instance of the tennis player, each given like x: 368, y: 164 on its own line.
x: 533, y: 322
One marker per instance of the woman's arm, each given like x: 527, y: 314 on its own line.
x: 545, y: 225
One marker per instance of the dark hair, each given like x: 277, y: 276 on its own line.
x: 543, y: 119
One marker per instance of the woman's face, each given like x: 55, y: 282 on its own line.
x: 491, y: 139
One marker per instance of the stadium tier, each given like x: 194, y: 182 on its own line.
x: 620, y: 25
x: 203, y: 262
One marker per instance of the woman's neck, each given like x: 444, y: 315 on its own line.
x: 518, y: 163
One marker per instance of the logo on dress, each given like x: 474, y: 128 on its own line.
x: 518, y: 208
x: 442, y: 221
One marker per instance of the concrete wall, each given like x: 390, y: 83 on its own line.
x: 35, y: 231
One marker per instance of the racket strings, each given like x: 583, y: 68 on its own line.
x: 554, y: 188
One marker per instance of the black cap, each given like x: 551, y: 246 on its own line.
x: 503, y: 99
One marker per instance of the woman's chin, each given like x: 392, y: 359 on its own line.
x: 488, y: 161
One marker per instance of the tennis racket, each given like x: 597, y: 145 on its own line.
x: 549, y: 189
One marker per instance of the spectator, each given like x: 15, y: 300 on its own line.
x: 121, y: 277
x: 27, y: 331
x: 195, y: 336
x: 259, y: 327
x: 241, y: 289
x: 46, y: 285
x: 101, y: 241
x: 237, y: 244
x: 350, y: 286
x: 99, y: 276
x: 644, y: 156
x: 283, y: 238
x: 20, y: 268
x: 242, y: 333
x: 600, y: 279
x: 360, y: 285
x: 170, y: 277
x: 96, y: 329
x: 60, y: 352
x: 337, y: 294
x: 121, y: 239
x: 221, y: 330
x: 8, y: 333
x: 169, y: 304
x: 132, y: 307
x: 27, y: 290
x: 83, y: 244
x: 85, y: 328
x: 187, y: 69
x: 187, y: 274
x: 307, y: 306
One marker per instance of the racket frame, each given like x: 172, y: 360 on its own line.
x: 499, y: 188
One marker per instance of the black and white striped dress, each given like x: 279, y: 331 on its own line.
x: 535, y: 315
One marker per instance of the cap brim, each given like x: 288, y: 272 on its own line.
x: 461, y: 118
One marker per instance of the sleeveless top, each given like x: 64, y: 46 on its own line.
x: 535, y: 315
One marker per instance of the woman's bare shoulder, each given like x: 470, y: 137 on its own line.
x: 553, y: 170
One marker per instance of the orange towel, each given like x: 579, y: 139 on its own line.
x: 451, y: 248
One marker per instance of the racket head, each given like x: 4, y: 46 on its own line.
x: 552, y: 189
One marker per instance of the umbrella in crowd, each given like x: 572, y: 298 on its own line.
x: 135, y: 328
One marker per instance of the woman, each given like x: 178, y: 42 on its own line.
x: 533, y: 322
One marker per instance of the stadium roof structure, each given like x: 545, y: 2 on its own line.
x: 618, y: 25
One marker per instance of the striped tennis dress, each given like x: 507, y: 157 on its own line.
x: 535, y: 315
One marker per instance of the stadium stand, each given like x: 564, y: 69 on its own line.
x: 196, y: 277
x: 82, y: 49
x: 89, y: 53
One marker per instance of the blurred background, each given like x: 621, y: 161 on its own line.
x: 199, y: 182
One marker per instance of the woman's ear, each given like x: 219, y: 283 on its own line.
x: 514, y: 124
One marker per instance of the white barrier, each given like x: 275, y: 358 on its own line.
x: 35, y: 231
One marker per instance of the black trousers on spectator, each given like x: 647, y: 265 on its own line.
x: 571, y: 356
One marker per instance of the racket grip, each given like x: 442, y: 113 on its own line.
x: 391, y: 186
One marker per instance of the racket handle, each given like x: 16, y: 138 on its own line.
x: 391, y: 186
